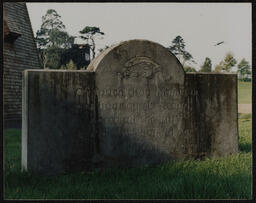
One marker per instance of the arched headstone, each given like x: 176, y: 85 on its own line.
x: 140, y: 95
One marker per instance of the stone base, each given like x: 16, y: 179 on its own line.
x: 12, y: 124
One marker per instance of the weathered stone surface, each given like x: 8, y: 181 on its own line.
x: 135, y: 106
x: 213, y: 112
x: 150, y: 111
x: 139, y: 89
x: 58, y: 115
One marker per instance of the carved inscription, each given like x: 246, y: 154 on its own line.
x: 127, y: 114
x: 140, y: 104
x: 137, y: 107
x: 137, y: 92
x: 149, y: 132
x: 133, y: 119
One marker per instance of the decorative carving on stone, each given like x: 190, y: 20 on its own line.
x: 140, y: 67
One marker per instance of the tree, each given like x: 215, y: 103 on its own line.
x: 219, y: 67
x: 52, y: 20
x: 243, y: 69
x: 53, y: 55
x: 227, y: 64
x: 52, y: 35
x: 70, y: 66
x: 207, y: 66
x: 103, y: 49
x: 178, y: 49
x: 189, y: 69
x: 89, y: 34
x: 52, y: 31
x: 63, y: 67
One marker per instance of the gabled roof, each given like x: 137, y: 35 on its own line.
x: 6, y: 28
x: 11, y: 31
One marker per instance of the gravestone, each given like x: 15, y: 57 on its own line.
x: 134, y: 106
x: 58, y: 120
x: 140, y: 95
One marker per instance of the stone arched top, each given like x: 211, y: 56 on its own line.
x: 139, y: 58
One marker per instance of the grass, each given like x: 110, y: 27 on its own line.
x: 244, y: 92
x: 222, y: 178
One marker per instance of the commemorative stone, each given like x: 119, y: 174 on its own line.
x: 140, y: 95
x: 133, y: 106
x: 150, y: 111
x: 57, y: 124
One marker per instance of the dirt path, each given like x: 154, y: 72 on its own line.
x: 244, y: 108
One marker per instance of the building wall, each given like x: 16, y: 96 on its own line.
x: 18, y: 55
x: 78, y: 55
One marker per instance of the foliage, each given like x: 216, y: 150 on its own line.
x: 89, y: 34
x: 52, y: 20
x: 178, y: 49
x: 226, y: 65
x: 207, y: 66
x: 69, y: 66
x: 53, y: 57
x: 103, y: 49
x: 77, y: 55
x: 63, y: 67
x: 52, y: 32
x: 229, y: 62
x: 219, y: 67
x: 189, y: 69
x: 52, y: 36
x: 244, y: 70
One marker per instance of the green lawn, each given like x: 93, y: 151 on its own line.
x: 244, y: 92
x: 223, y: 178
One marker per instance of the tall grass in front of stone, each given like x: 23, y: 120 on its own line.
x: 222, y: 178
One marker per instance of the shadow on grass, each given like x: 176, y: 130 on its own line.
x: 225, y: 178
x: 245, y: 147
x: 174, y: 180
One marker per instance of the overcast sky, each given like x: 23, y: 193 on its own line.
x: 201, y: 25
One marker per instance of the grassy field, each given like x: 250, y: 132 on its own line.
x: 223, y: 178
x: 244, y: 92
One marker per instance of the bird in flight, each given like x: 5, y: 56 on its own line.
x: 219, y: 43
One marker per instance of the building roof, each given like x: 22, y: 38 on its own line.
x: 11, y: 30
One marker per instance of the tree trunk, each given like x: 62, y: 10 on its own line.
x: 93, y: 48
x: 44, y: 59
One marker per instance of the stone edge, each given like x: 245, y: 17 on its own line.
x: 24, y: 136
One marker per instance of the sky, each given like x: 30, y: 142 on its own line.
x: 201, y: 25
